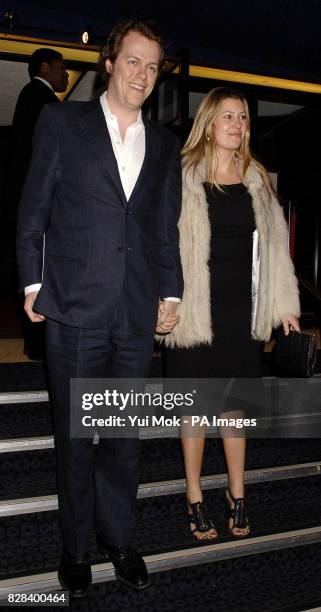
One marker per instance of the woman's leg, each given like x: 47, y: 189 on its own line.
x: 193, y: 450
x: 234, y: 448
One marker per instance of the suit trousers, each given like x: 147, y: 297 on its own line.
x: 94, y: 488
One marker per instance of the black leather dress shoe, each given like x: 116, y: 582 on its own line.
x: 129, y: 566
x: 74, y: 574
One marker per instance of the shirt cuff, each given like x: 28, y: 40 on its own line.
x: 31, y: 288
x: 172, y: 299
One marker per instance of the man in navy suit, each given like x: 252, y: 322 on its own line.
x: 104, y: 187
x: 48, y: 75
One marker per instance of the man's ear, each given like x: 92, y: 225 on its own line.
x: 109, y: 66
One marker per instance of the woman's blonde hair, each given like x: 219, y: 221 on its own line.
x: 201, y: 142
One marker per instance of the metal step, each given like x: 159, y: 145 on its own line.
x: 104, y: 572
x: 299, y: 420
x: 33, y: 541
x: 23, y: 397
x: 280, y: 426
x: 46, y: 503
x: 16, y: 445
x: 33, y: 474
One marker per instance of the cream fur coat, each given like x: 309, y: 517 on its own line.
x: 274, y: 285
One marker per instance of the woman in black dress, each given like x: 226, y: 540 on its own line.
x: 239, y: 280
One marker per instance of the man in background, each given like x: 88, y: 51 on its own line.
x: 48, y: 75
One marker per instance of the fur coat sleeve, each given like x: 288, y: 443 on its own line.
x: 286, y: 294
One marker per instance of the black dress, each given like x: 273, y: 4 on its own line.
x: 233, y: 352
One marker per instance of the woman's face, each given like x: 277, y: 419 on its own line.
x: 230, y: 124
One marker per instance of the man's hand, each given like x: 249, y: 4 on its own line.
x: 29, y: 302
x: 167, y: 316
x: 290, y: 322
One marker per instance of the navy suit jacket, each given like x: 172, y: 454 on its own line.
x: 98, y: 245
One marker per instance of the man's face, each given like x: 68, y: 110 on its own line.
x: 55, y: 73
x: 134, y: 72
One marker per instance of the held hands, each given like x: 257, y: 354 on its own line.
x: 290, y: 322
x: 29, y: 302
x: 167, y: 316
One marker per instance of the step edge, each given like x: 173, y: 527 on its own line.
x: 147, y: 433
x: 23, y: 397
x: 104, y: 572
x: 46, y: 503
x: 26, y: 444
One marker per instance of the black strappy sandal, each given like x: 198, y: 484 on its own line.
x: 200, y: 519
x: 238, y: 514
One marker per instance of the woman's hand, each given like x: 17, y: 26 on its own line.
x: 290, y: 322
x: 167, y: 316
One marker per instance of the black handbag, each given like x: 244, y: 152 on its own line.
x: 296, y: 353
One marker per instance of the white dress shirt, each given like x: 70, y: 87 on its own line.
x: 129, y: 155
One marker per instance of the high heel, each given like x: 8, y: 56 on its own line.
x: 199, y: 518
x: 238, y: 514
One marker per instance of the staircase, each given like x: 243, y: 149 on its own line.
x: 277, y: 568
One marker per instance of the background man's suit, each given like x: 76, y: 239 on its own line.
x: 32, y: 98
x: 30, y: 103
x: 107, y: 262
